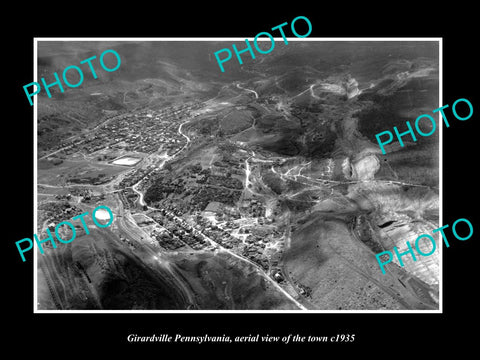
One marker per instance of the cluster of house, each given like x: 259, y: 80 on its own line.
x: 144, y: 131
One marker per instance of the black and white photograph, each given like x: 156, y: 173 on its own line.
x: 261, y: 187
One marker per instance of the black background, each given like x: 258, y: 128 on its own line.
x: 379, y: 334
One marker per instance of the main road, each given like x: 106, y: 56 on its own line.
x: 239, y: 257
x: 221, y: 248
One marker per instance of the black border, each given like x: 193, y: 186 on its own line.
x: 374, y: 332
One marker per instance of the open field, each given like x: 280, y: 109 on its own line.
x: 79, y: 172
x: 126, y: 161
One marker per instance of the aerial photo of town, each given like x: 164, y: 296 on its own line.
x: 258, y: 188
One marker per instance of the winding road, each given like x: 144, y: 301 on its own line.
x: 219, y: 247
x: 179, y: 220
x: 253, y: 91
x: 211, y: 241
x: 259, y: 270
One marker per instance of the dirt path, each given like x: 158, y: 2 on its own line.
x: 253, y: 91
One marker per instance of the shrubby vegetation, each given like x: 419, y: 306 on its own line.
x: 273, y: 182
